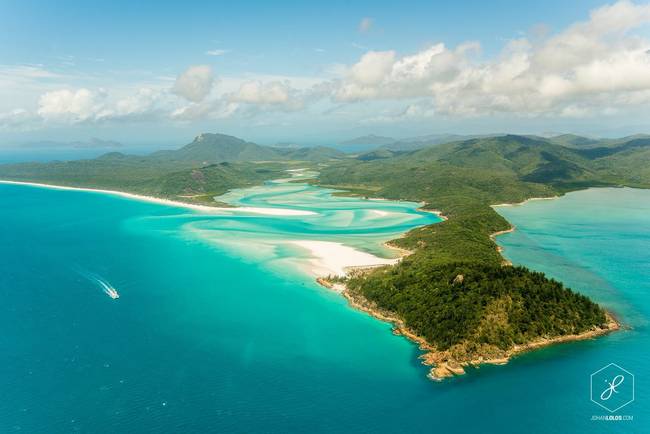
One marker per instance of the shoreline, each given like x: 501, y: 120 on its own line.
x: 339, y: 259
x: 442, y: 364
x: 167, y: 202
x: 494, y: 235
x: 523, y: 202
x: 433, y: 211
x: 400, y: 250
x: 500, y: 250
x: 327, y: 257
x: 344, y: 260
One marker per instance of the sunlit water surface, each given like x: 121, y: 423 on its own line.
x: 220, y: 327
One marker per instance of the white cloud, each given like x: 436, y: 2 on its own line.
x: 381, y: 74
x: 145, y: 103
x: 373, y: 67
x: 195, y: 83
x: 85, y: 105
x: 596, y: 62
x: 599, y: 67
x: 73, y: 106
x: 218, y: 109
x: 365, y: 24
x: 18, y: 119
x: 279, y: 94
x: 217, y: 52
x: 23, y: 84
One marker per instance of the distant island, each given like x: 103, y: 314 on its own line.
x: 92, y: 143
x: 453, y: 293
x: 371, y: 139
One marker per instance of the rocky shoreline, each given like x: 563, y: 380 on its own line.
x: 443, y: 364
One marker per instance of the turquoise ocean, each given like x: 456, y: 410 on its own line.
x: 220, y: 326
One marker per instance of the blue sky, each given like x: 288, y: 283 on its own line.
x: 300, y: 71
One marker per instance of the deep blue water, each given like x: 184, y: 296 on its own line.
x: 210, y: 336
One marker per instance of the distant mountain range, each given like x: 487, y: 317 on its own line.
x: 420, y: 142
x: 370, y: 139
x: 215, y: 148
x: 93, y: 143
x: 581, y: 142
x: 372, y: 142
x: 372, y: 147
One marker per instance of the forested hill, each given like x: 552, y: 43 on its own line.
x: 453, y: 290
x: 463, y: 179
x: 208, y: 166
x: 216, y: 148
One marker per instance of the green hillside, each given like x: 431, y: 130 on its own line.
x: 209, y: 166
x: 478, y: 310
x: 575, y: 141
x: 315, y: 153
x: 215, y: 148
x: 453, y: 290
x: 371, y: 139
x: 463, y: 179
x: 171, y: 180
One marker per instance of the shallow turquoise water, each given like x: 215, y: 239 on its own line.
x: 597, y: 242
x: 216, y: 331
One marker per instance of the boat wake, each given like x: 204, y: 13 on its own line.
x: 108, y: 289
x: 104, y: 285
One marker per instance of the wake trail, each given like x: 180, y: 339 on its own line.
x: 103, y: 284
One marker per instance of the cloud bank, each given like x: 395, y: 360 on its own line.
x: 195, y: 83
x: 591, y: 66
x: 597, y: 67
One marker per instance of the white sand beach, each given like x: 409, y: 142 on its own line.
x: 525, y: 201
x: 327, y: 257
x: 152, y: 199
x: 335, y: 258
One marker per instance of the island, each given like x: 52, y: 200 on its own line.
x: 452, y: 292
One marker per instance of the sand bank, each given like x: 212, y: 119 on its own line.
x: 331, y: 258
x: 168, y: 202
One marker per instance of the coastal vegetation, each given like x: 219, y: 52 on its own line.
x: 472, y: 313
x: 464, y: 179
x: 454, y: 293
x: 192, y: 185
x: 471, y: 304
x: 207, y: 167
x: 491, y: 310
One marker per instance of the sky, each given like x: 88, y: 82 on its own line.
x: 319, y: 72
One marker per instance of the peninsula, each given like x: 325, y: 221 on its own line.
x: 453, y: 294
